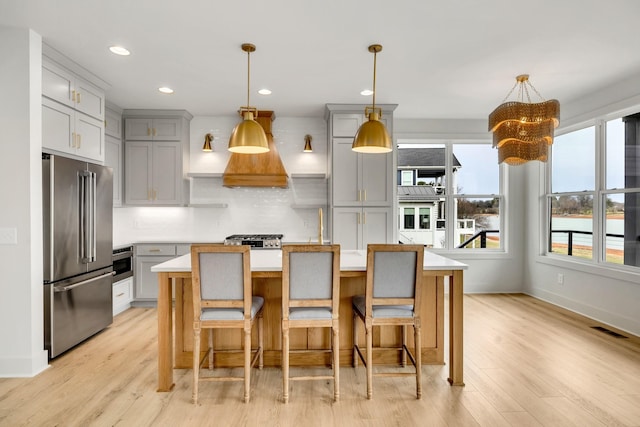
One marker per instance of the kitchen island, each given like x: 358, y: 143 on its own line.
x: 175, y: 344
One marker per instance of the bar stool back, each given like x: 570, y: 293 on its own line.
x: 222, y: 298
x: 392, y: 297
x: 310, y: 299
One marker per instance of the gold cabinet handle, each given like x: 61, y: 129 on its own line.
x: 364, y: 195
x: 73, y: 139
x: 73, y: 95
x: 359, y: 195
x: 148, y: 131
x: 79, y: 140
x: 120, y: 294
x: 364, y: 217
x: 358, y: 217
x: 154, y: 250
x: 155, y: 132
x: 78, y: 97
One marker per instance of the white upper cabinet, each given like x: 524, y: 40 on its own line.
x: 147, y: 129
x: 66, y: 88
x: 113, y: 123
x: 72, y: 132
x: 73, y: 112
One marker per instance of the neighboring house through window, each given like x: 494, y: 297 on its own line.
x: 438, y: 172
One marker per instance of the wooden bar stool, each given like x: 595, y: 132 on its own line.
x: 310, y: 299
x: 221, y: 282
x: 392, y: 298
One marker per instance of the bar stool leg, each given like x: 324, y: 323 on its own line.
x: 196, y: 364
x: 285, y: 364
x: 355, y: 340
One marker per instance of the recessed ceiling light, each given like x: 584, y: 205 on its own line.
x: 119, y: 50
x: 366, y: 92
x: 264, y: 92
x: 165, y: 89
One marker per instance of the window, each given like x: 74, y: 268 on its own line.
x: 425, y: 219
x: 476, y: 197
x: 409, y: 218
x: 407, y: 177
x: 463, y: 180
x: 594, y: 197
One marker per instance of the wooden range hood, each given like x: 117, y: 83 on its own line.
x: 257, y: 170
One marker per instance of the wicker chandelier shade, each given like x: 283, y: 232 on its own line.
x: 523, y: 131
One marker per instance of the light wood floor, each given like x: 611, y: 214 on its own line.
x: 527, y: 363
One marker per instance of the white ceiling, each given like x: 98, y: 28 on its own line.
x: 445, y: 59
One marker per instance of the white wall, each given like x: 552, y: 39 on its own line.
x: 248, y: 210
x: 607, y: 295
x: 21, y: 310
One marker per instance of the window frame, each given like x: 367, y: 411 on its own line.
x: 451, y: 220
x: 599, y: 195
x: 404, y: 172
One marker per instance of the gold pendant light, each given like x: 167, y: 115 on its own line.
x: 372, y: 137
x: 523, y: 131
x: 248, y: 136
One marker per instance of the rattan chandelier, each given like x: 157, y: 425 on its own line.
x: 523, y: 131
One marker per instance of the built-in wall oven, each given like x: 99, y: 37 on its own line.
x: 122, y: 263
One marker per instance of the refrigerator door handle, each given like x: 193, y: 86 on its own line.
x: 84, y: 282
x: 87, y: 216
x: 92, y: 216
x: 82, y: 193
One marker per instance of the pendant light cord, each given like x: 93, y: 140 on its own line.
x: 374, y: 79
x: 248, y: 75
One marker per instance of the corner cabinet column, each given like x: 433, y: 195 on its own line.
x: 361, y: 186
x: 156, y: 157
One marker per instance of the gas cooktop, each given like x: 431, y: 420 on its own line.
x: 256, y: 241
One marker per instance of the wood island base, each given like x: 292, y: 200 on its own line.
x: 175, y: 341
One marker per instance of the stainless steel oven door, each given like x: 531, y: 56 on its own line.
x: 76, y: 309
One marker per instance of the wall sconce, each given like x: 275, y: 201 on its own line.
x: 208, y: 138
x: 307, y: 144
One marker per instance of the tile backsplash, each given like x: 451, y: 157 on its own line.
x: 216, y: 211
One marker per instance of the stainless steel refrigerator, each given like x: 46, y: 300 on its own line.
x: 77, y: 214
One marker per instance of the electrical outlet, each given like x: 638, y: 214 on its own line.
x: 560, y: 279
x: 8, y: 236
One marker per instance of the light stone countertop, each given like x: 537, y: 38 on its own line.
x: 271, y: 260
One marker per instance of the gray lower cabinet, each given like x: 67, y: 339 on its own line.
x: 146, y: 256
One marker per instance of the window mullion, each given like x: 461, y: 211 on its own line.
x: 598, y: 205
x: 450, y: 201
